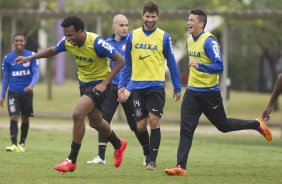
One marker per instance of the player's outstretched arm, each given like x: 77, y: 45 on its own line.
x: 45, y: 53
x: 275, y: 93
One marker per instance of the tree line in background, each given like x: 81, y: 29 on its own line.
x: 255, y: 46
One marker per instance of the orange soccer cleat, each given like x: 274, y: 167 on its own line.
x: 176, y: 171
x: 118, y: 153
x: 65, y: 166
x: 264, y: 130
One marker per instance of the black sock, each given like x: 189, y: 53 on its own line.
x: 102, y: 142
x: 24, y: 132
x: 143, y: 138
x: 102, y: 150
x: 74, y: 152
x: 13, y: 131
x: 114, y: 140
x: 155, y: 140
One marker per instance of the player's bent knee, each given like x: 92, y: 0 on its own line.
x: 76, y: 116
x: 141, y: 128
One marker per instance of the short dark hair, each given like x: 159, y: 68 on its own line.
x: 151, y: 7
x: 74, y: 21
x: 18, y: 34
x: 201, y: 16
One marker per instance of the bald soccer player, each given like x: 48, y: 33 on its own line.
x: 118, y: 41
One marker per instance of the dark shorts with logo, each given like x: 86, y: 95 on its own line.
x: 148, y: 100
x: 20, y: 103
x: 96, y: 96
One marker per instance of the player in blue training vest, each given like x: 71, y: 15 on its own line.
x: 91, y: 56
x: 19, y: 80
x: 148, y: 51
x: 202, y: 94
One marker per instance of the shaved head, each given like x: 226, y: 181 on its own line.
x: 120, y: 26
x: 118, y: 18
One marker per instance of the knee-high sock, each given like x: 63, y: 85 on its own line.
x: 13, y: 131
x: 155, y: 140
x: 143, y: 138
x: 114, y: 140
x: 102, y: 142
x: 24, y: 132
x: 74, y: 152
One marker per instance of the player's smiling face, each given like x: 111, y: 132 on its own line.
x: 74, y: 37
x: 150, y: 20
x: 194, y: 26
x: 19, y: 43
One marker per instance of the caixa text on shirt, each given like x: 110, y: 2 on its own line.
x: 82, y: 58
x: 146, y: 46
x: 21, y: 73
x: 194, y: 53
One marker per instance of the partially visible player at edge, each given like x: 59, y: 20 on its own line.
x: 20, y: 79
x: 91, y: 56
x: 203, y: 92
x: 147, y: 50
x: 275, y: 93
x: 118, y: 41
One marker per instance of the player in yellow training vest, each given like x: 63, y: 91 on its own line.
x: 147, y: 49
x: 203, y: 92
x: 91, y: 56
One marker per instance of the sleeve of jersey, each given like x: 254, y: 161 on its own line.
x: 61, y: 47
x: 212, y: 50
x: 103, y: 48
x: 5, y: 80
x: 35, y: 72
x: 126, y: 71
x: 171, y: 63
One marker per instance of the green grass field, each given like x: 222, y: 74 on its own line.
x: 214, y: 158
x: 243, y: 105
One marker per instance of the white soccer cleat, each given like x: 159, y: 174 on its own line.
x: 96, y: 160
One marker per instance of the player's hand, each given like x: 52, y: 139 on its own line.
x: 101, y: 87
x: 124, y: 96
x: 28, y: 89
x: 120, y: 93
x: 176, y: 96
x: 1, y: 102
x: 22, y: 59
x: 193, y: 63
x: 266, y: 113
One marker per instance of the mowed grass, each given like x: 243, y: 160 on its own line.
x: 216, y: 158
x: 220, y: 158
x: 244, y: 105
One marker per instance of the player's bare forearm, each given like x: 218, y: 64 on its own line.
x: 276, y: 90
x: 119, y: 62
x: 1, y: 102
x: 41, y: 54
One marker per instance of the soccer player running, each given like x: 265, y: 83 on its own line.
x: 275, y: 93
x: 20, y: 79
x: 147, y: 49
x: 118, y: 41
x: 91, y: 56
x: 203, y: 92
